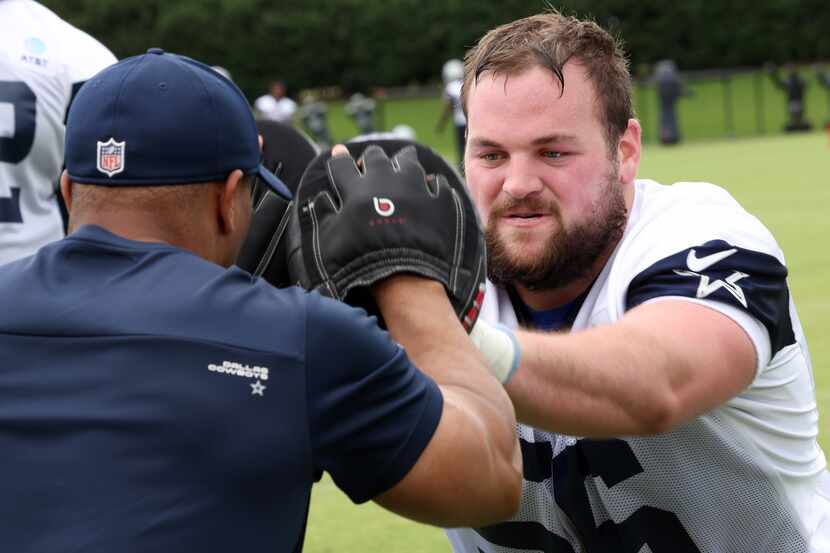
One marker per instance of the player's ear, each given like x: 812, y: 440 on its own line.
x: 231, y: 195
x: 66, y: 190
x: 628, y: 151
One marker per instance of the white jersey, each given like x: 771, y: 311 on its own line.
x: 281, y: 110
x: 452, y: 93
x: 746, y: 477
x: 43, y: 60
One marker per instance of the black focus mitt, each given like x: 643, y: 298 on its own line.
x: 401, y: 208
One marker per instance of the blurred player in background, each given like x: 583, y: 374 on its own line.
x: 362, y: 110
x: 795, y: 87
x: 664, y: 385
x: 453, y: 75
x: 43, y: 62
x: 314, y: 115
x: 670, y: 88
x: 276, y: 105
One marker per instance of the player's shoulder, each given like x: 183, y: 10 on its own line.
x: 83, y: 54
x: 671, y: 217
x: 683, y: 197
x: 454, y: 87
x: 47, y: 40
x: 666, y: 220
x: 266, y: 102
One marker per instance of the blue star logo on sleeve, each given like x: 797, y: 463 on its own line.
x: 257, y: 388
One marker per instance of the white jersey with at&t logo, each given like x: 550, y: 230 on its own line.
x: 43, y: 61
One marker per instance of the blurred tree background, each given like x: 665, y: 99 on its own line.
x: 359, y: 44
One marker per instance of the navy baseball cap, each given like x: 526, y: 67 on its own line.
x: 160, y: 119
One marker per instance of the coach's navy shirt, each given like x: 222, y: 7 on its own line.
x: 151, y: 401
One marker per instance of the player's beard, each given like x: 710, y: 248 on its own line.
x: 569, y: 254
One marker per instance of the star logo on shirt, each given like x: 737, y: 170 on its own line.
x: 257, y: 388
x: 708, y: 286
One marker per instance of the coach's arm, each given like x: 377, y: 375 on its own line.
x: 470, y: 473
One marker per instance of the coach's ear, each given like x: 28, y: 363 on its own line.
x: 66, y: 190
x: 233, y: 213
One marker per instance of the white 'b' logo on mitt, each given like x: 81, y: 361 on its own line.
x: 383, y: 206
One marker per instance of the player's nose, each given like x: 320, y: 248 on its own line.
x: 521, y: 180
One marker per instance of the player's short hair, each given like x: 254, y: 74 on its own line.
x: 549, y: 40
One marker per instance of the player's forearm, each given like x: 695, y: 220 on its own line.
x: 598, y: 383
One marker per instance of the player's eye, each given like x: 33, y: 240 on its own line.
x: 550, y: 154
x: 490, y: 156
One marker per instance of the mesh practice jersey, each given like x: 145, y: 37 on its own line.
x: 43, y: 61
x: 746, y: 477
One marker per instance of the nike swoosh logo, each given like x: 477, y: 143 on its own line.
x: 697, y: 264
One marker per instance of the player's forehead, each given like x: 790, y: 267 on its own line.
x: 532, y: 106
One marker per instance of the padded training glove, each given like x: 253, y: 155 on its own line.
x: 264, y: 251
x: 359, y: 223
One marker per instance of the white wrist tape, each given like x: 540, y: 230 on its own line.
x: 499, y: 347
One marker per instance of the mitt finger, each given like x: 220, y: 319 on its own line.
x: 374, y: 158
x: 406, y: 156
x: 435, y: 183
x: 342, y: 171
x: 342, y: 167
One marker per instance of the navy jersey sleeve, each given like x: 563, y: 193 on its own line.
x: 371, y: 411
x: 752, y: 281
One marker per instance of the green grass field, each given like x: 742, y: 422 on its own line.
x: 742, y: 104
x: 783, y: 179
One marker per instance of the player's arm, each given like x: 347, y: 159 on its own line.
x: 470, y: 472
x: 699, y: 324
x: 777, y: 80
x: 663, y: 363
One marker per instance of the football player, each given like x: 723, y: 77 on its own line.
x: 664, y: 385
x: 43, y: 62
x: 452, y: 74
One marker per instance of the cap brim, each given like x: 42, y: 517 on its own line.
x: 273, y: 182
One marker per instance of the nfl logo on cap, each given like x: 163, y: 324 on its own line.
x: 111, y: 157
